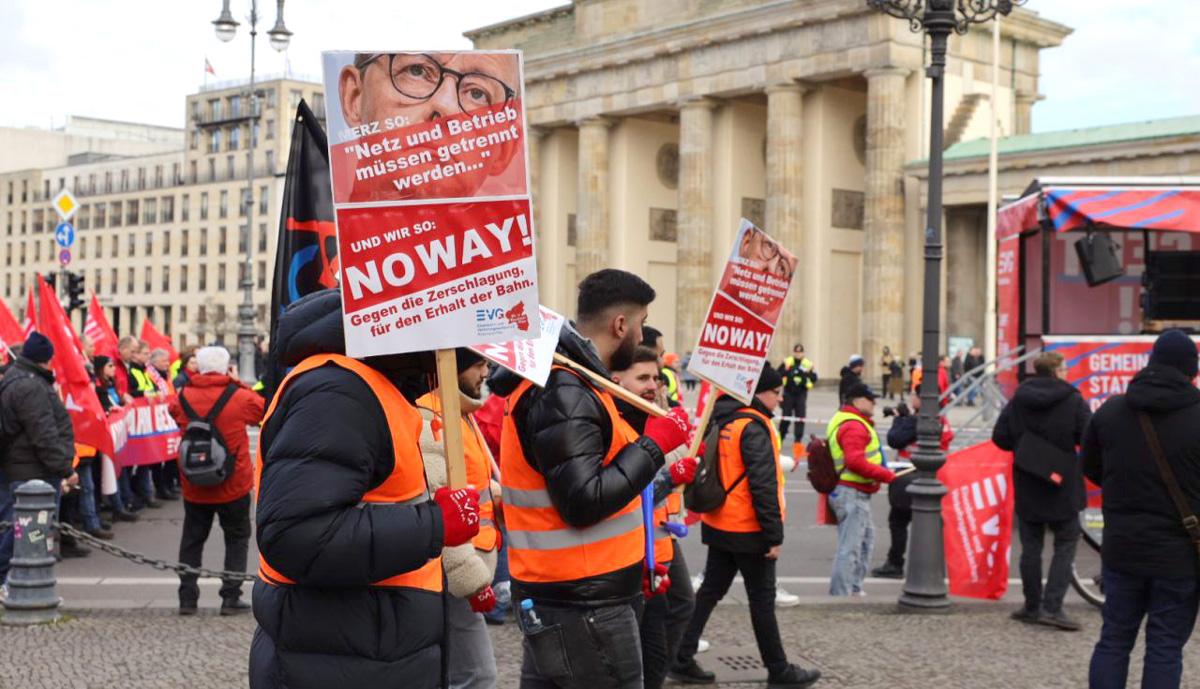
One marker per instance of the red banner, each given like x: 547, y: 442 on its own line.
x: 157, y: 340
x: 97, y: 329
x: 29, y: 324
x: 977, y: 514
x: 1102, y: 366
x: 10, y: 331
x: 143, y: 432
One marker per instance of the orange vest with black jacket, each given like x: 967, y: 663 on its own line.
x: 737, y: 514
x: 404, y: 486
x: 542, y: 547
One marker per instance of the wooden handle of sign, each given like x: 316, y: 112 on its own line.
x: 905, y: 472
x: 447, y: 370
x: 702, y: 424
x: 611, y: 387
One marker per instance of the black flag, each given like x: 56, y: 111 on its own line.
x: 306, y: 254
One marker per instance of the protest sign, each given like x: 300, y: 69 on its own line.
x: 977, y: 511
x: 742, y: 315
x: 431, y: 199
x: 530, y: 359
x: 143, y: 432
x: 1102, y: 366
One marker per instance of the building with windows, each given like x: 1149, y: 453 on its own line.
x: 161, y: 230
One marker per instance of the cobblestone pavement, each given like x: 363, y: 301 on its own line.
x: 977, y: 647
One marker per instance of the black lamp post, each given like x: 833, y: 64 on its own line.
x: 925, y: 583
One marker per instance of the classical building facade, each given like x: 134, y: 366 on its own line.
x: 161, y: 231
x: 657, y: 124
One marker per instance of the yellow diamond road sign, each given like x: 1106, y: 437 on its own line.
x: 65, y: 204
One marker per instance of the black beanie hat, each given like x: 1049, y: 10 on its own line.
x: 466, y: 358
x: 769, y: 380
x: 37, y: 348
x: 99, y: 362
x: 1175, y: 349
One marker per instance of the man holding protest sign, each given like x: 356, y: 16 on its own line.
x: 573, y: 471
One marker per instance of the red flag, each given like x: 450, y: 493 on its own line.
x: 208, y: 68
x: 11, y: 333
x: 79, y: 396
x: 99, y: 331
x: 978, y: 513
x: 30, y: 323
x: 157, y: 340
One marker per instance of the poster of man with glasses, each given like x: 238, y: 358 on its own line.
x: 430, y: 188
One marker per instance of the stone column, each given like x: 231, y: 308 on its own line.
x: 695, y: 281
x: 1023, y: 115
x: 883, y: 221
x: 533, y: 163
x: 785, y: 204
x: 592, y: 214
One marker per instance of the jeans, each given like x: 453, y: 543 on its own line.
x: 1066, y: 537
x: 759, y: 574
x: 898, y: 520
x: 681, y: 600
x: 653, y: 628
x: 855, y: 539
x: 197, y: 523
x: 472, y: 663
x: 582, y: 648
x: 87, y: 496
x: 501, y: 583
x: 1169, y: 606
x: 8, y: 505
x: 135, y: 486
x: 794, y: 405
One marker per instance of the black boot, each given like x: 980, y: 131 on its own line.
x: 888, y: 570
x: 691, y: 673
x: 234, y: 606
x: 794, y: 677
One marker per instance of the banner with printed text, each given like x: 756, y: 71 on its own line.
x: 743, y: 313
x: 431, y: 199
x: 530, y: 359
x: 143, y: 432
x: 977, y: 514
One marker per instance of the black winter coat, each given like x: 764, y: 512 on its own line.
x: 1143, y: 535
x: 758, y: 454
x: 1054, y: 410
x: 41, y: 441
x: 565, y: 431
x: 325, y: 446
x: 902, y: 434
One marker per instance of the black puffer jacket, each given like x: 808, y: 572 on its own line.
x: 1143, y: 535
x: 325, y: 446
x: 758, y: 454
x: 566, y: 432
x: 43, y: 443
x: 1054, y: 410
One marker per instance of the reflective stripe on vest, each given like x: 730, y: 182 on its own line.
x: 542, y: 547
x: 479, y: 471
x: 806, y: 365
x: 737, y: 514
x: 405, y: 486
x: 874, y: 452
x: 144, y: 384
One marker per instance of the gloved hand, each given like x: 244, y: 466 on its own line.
x: 460, y: 514
x: 660, y: 577
x: 670, y: 431
x: 484, y: 601
x: 683, y: 472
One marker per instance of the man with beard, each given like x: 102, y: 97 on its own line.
x: 470, y: 566
x: 573, y: 471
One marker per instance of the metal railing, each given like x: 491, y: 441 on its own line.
x: 979, y: 384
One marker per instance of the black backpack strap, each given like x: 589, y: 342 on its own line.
x: 187, y: 408
x: 230, y: 390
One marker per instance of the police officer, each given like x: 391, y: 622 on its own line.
x: 799, y: 376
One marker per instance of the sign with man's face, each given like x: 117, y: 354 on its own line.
x: 430, y: 189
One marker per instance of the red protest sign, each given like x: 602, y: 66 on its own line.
x: 977, y: 512
x: 143, y: 432
x: 530, y: 359
x: 743, y: 313
x: 431, y: 198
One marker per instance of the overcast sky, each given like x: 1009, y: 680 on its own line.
x: 137, y: 59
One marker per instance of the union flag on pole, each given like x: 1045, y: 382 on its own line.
x: 99, y: 331
x: 157, y: 340
x: 11, y: 333
x: 87, y: 416
x: 30, y: 323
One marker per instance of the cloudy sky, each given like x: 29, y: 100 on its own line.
x: 136, y: 59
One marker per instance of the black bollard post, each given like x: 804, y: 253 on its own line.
x: 31, y: 597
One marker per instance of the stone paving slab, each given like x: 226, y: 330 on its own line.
x: 858, y: 645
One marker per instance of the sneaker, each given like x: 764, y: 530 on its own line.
x: 234, y: 606
x: 691, y: 673
x: 696, y: 581
x: 188, y: 609
x: 101, y: 533
x: 888, y: 570
x: 783, y: 599
x: 1025, y: 615
x: 794, y: 677
x: 703, y: 646
x: 125, y: 516
x: 1059, y: 620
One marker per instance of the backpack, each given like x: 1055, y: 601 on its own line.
x: 707, y: 492
x: 822, y: 473
x: 204, y: 458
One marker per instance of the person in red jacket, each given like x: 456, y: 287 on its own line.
x: 229, y: 501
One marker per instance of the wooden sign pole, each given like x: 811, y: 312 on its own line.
x: 611, y: 387
x: 456, y: 465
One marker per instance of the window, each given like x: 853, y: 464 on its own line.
x: 270, y: 162
x: 204, y: 205
x: 262, y: 237
x: 175, y: 174
x: 37, y: 251
x: 22, y: 262
x: 101, y: 220
x: 262, y: 274
x: 24, y: 220
x: 37, y: 220
x: 270, y: 129
x: 115, y: 207
x: 263, y: 198
x: 112, y: 283
x: 254, y: 134
x: 318, y: 103
x: 158, y: 175
x: 185, y: 207
x: 166, y: 243
x: 243, y: 238
x: 203, y: 279
x: 234, y: 137
x: 183, y: 312
x: 235, y: 106
x: 183, y: 279
x: 214, y: 142
x: 192, y: 172
x: 223, y: 207
x: 195, y: 109
x: 91, y: 184
x: 168, y: 209
x: 229, y: 169
x: 9, y: 226
x: 214, y: 108
x: 131, y: 212
x: 46, y: 190
x: 146, y: 279
x: 99, y: 253
x: 82, y: 220
x: 166, y: 281
x: 7, y: 285
x: 271, y: 98
x: 96, y: 280
x: 24, y: 190
x: 222, y: 242
x: 10, y: 193
x: 141, y: 183
x: 130, y: 245
x: 247, y: 201
x: 129, y: 280
x: 183, y: 242
x: 241, y: 272
x: 221, y: 277
x: 83, y: 247
x: 203, y: 241
x: 108, y: 182
x: 112, y: 252
x: 212, y: 169
x: 124, y: 180
x: 294, y: 99
x: 149, y: 211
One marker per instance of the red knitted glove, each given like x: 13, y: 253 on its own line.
x: 683, y: 472
x: 483, y: 601
x: 670, y: 431
x: 460, y: 514
x: 649, y: 590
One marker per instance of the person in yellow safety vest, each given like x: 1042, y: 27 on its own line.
x: 350, y: 537
x: 470, y: 566
x: 670, y: 377
x: 573, y: 472
x: 664, y: 617
x: 799, y: 376
x: 140, y: 384
x: 858, y: 455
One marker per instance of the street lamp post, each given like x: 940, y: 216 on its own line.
x: 925, y: 582
x: 226, y: 29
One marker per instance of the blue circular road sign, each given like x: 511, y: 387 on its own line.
x: 64, y: 234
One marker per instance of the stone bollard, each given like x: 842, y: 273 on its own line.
x: 31, y: 596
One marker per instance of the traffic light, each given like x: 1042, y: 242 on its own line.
x: 52, y: 280
x: 75, y: 291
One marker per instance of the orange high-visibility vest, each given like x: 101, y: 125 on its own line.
x: 737, y: 514
x: 542, y: 547
x: 479, y: 471
x: 404, y: 486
